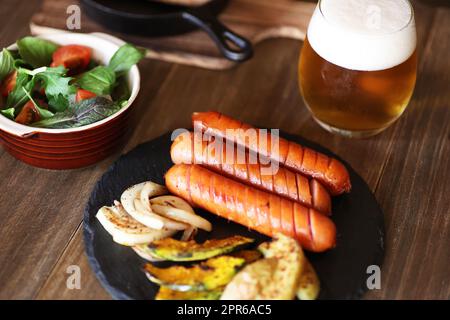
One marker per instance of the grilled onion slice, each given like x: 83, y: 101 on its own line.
x: 127, y: 231
x: 148, y: 218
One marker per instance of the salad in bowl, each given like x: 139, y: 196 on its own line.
x: 67, y: 99
x: 46, y: 85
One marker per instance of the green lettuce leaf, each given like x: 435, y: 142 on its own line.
x: 100, y: 80
x: 6, y: 63
x: 125, y: 57
x: 37, y: 52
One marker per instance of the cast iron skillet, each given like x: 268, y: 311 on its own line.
x: 155, y: 19
x: 342, y: 271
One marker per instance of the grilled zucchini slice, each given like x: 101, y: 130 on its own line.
x: 174, y: 250
x: 142, y: 251
x: 205, y: 276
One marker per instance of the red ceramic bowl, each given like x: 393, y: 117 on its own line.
x: 77, y: 147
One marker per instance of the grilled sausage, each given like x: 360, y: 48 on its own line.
x: 236, y: 163
x: 329, y: 171
x: 264, y: 212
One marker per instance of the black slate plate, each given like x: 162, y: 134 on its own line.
x: 342, y: 271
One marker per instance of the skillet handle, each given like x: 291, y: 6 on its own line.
x: 222, y: 36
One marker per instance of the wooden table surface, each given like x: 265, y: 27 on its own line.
x: 407, y: 166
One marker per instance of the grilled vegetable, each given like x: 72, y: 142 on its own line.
x: 255, y: 281
x: 142, y: 251
x: 172, y: 201
x: 125, y: 230
x: 168, y: 223
x: 309, y: 284
x: 206, y: 276
x: 182, y: 216
x: 175, y: 208
x: 272, y: 278
x: 165, y: 293
x: 148, y: 218
x: 189, y: 233
x: 174, y: 250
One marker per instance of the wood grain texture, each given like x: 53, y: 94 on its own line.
x: 55, y: 287
x: 255, y: 20
x: 406, y: 166
x: 418, y: 221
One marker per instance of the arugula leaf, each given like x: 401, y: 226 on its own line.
x: 6, y: 63
x: 125, y: 57
x: 37, y: 52
x: 99, y: 80
x: 59, y: 102
x: 9, y: 113
x: 81, y: 114
x: 18, y: 97
x: 55, y: 82
x: 57, y: 87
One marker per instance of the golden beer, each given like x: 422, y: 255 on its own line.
x: 358, y: 93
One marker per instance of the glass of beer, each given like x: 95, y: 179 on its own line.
x: 358, y: 64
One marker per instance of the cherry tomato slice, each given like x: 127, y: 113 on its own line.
x: 83, y: 95
x: 29, y: 113
x: 8, y: 84
x: 73, y: 57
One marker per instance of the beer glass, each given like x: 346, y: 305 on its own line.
x: 358, y: 64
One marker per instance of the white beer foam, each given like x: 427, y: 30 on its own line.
x: 364, y: 35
